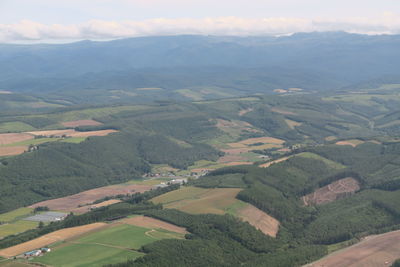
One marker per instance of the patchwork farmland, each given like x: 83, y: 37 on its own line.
x: 196, y: 200
x: 80, y: 202
x: 371, y: 251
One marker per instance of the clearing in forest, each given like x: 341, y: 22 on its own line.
x: 78, y: 123
x: 265, y: 140
x: 372, y: 251
x: 332, y: 192
x: 281, y: 111
x: 235, y: 127
x: 245, y: 111
x: 197, y: 200
x: 292, y: 124
x: 351, y: 142
x: 259, y: 219
x: 235, y: 153
x: 49, y: 239
x: 330, y: 163
x: 72, y: 203
x: 266, y: 165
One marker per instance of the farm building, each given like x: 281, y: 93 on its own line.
x: 33, y: 253
x: 178, y: 181
x: 162, y: 185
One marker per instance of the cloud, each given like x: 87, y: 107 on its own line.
x: 26, y: 30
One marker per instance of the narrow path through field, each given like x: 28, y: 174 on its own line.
x: 148, y: 233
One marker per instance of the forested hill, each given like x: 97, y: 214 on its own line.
x: 317, y: 61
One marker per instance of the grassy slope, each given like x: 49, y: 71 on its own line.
x: 13, y: 215
x: 16, y: 227
x: 198, y: 200
x: 328, y: 162
x: 86, y: 255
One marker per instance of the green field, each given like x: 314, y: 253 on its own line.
x: 127, y: 236
x: 115, y: 244
x: 36, y: 141
x: 16, y: 227
x: 197, y: 200
x: 15, y: 214
x: 86, y: 255
x: 328, y: 162
x: 74, y: 140
x: 16, y: 126
x: 11, y: 263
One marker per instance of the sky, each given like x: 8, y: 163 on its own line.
x: 68, y: 20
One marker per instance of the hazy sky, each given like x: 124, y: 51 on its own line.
x: 103, y: 19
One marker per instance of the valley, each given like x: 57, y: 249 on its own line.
x: 276, y: 178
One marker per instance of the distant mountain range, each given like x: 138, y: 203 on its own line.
x: 315, y: 61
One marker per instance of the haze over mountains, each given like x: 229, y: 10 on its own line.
x: 316, y: 61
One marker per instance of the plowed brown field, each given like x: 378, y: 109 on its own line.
x: 12, y: 150
x: 72, y: 133
x: 260, y: 220
x: 373, y: 251
x: 10, y: 138
x: 71, y: 203
x: 81, y: 123
x: 266, y: 165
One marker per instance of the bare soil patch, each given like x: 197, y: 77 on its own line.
x: 353, y: 142
x: 50, y: 238
x: 281, y: 91
x: 330, y: 138
x: 72, y: 133
x: 148, y: 222
x: 292, y: 124
x: 242, y: 126
x: 72, y: 203
x: 332, y: 192
x: 230, y: 158
x: 265, y: 140
x: 12, y: 150
x: 92, y: 133
x: 87, y: 208
x: 260, y: 220
x: 236, y: 163
x: 10, y: 138
x: 372, y: 251
x: 266, y: 165
x: 81, y: 123
x: 245, y: 111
